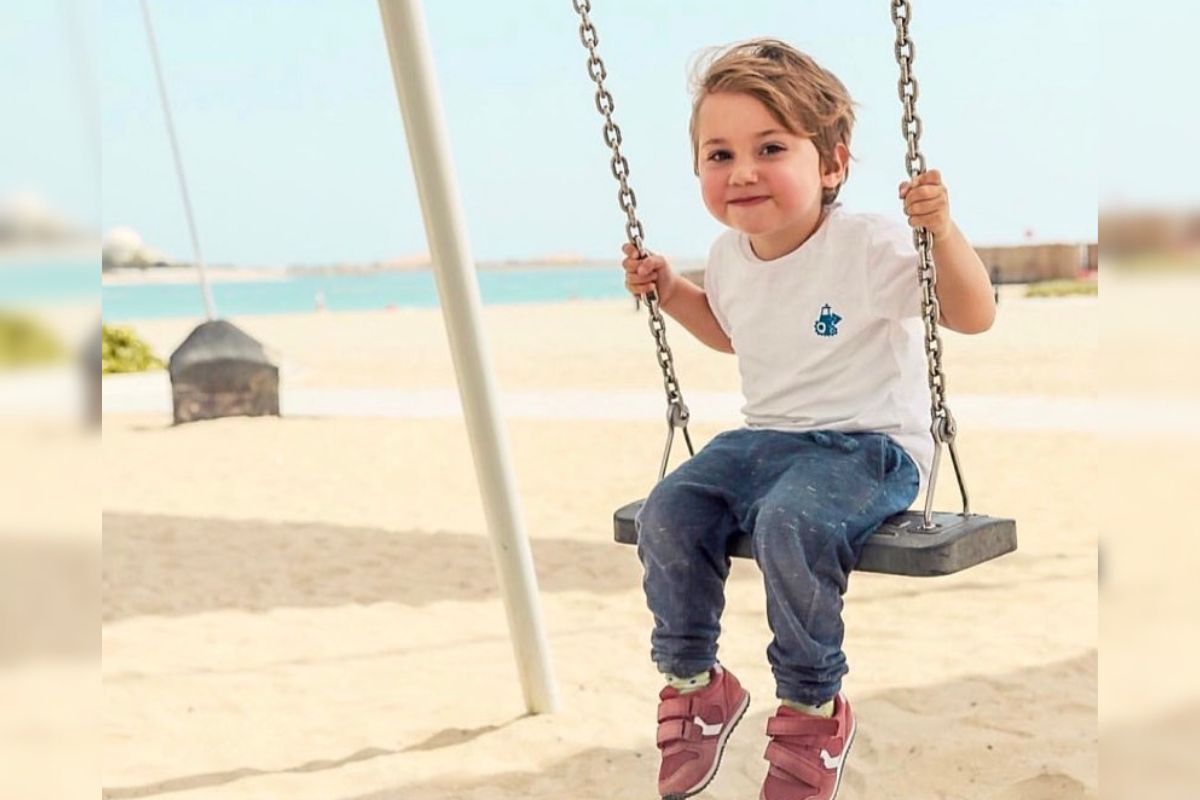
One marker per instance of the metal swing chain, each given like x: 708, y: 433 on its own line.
x: 677, y: 410
x: 944, y: 428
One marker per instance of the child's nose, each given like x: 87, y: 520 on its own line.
x: 742, y: 176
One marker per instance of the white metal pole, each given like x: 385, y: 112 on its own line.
x: 416, y: 86
x: 205, y: 291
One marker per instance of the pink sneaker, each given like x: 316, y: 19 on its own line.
x: 807, y: 753
x: 692, y: 731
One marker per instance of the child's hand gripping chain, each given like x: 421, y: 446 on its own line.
x: 644, y: 274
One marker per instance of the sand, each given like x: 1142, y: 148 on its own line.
x: 306, y: 608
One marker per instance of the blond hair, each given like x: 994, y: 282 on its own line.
x: 807, y: 99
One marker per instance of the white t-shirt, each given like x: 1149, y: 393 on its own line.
x: 829, y: 336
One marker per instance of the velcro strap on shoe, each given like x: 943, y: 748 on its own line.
x: 801, y: 726
x: 677, y: 730
x: 675, y: 708
x: 796, y: 766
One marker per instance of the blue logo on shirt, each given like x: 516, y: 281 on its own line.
x: 826, y: 324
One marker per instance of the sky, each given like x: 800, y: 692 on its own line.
x: 295, y: 151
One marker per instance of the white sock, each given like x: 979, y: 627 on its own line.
x: 823, y: 710
x: 693, y: 683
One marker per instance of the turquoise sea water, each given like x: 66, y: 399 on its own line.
x: 47, y: 282
x: 358, y: 292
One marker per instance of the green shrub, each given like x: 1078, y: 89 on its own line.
x: 25, y: 341
x: 122, y: 351
x: 1063, y: 288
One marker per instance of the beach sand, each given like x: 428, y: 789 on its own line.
x: 306, y: 608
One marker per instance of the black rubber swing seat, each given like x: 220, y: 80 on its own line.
x: 900, y: 546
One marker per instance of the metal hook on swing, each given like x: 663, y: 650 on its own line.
x: 677, y: 417
x: 944, y: 431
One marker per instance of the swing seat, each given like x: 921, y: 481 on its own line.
x: 900, y: 546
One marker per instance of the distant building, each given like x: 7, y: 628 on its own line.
x: 1125, y: 233
x: 1025, y: 263
x: 26, y: 219
x: 123, y: 247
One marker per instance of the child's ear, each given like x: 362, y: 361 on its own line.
x: 835, y: 172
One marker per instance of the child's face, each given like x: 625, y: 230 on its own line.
x: 758, y: 178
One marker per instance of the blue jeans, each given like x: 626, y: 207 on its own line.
x: 809, y: 501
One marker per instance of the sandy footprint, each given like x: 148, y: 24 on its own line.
x: 1053, y: 786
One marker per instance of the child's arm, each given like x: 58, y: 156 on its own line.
x: 964, y: 289
x: 683, y: 300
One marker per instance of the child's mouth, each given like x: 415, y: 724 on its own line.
x: 749, y: 201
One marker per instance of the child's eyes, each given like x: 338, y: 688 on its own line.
x: 767, y: 150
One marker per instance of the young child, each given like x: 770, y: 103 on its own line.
x: 822, y: 308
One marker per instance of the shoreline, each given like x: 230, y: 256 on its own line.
x: 22, y: 254
x: 186, y: 273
